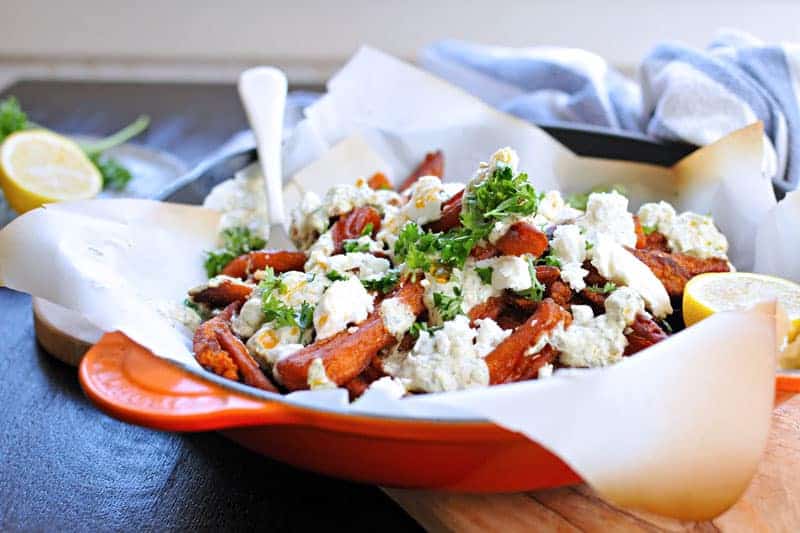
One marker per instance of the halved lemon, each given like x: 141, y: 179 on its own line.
x: 726, y: 291
x: 39, y: 167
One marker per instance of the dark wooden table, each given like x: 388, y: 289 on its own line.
x: 66, y: 466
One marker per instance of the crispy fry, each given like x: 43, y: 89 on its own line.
x: 529, y: 368
x: 223, y: 294
x: 547, y: 274
x: 483, y: 252
x: 522, y: 238
x: 451, y: 214
x: 353, y: 224
x: 651, y: 241
x: 432, y: 165
x: 491, y: 308
x: 379, y: 181
x: 512, y: 318
x: 217, y: 349
x: 593, y: 277
x: 507, y: 361
x: 279, y: 260
x: 560, y: 293
x: 674, y: 270
x: 641, y: 238
x: 361, y: 382
x: 519, y: 303
x: 656, y: 241
x: 346, y: 355
x: 596, y: 300
x: 643, y: 334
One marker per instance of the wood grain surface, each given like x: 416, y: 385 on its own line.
x: 771, y: 503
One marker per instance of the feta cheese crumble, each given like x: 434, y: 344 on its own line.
x: 607, y: 213
x: 598, y: 341
x: 345, y: 302
x: 388, y: 386
x: 687, y: 233
x: 317, y: 378
x: 397, y: 316
x: 569, y: 247
x: 511, y: 272
x: 448, y: 359
x: 618, y: 265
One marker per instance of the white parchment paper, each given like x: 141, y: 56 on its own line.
x: 677, y: 429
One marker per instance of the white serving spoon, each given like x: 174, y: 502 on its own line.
x: 263, y: 94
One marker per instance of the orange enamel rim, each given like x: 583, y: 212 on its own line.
x: 130, y: 383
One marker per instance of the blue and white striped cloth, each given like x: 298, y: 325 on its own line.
x: 685, y: 94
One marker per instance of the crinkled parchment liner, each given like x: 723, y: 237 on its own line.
x: 676, y: 430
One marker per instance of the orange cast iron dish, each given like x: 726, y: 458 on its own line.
x: 130, y: 383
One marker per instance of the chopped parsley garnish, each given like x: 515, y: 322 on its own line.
x: 549, y: 260
x: 648, y: 230
x: 415, y: 247
x: 274, y: 309
x: 216, y: 261
x: 352, y: 245
x: 498, y: 196
x: 610, y: 286
x: 580, y: 200
x: 277, y: 311
x: 448, y: 306
x: 485, y: 273
x: 589, y: 245
x: 367, y: 229
x: 305, y: 319
x: 335, y: 275
x: 235, y: 242
x: 115, y: 176
x: 536, y: 291
x: 383, y: 284
x: 418, y: 327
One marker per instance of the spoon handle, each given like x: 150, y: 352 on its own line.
x: 263, y: 93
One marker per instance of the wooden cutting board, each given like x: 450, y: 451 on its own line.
x: 771, y: 503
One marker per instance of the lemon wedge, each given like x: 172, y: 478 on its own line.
x: 726, y: 291
x: 39, y: 167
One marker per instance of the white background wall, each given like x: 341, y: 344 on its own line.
x: 212, y: 40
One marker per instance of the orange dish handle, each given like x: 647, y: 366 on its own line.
x: 130, y: 383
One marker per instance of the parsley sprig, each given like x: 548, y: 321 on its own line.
x: 536, y: 291
x: 335, y: 275
x: 353, y: 245
x: 115, y: 175
x: 485, y: 273
x: 419, y: 327
x: 549, y: 260
x: 609, y: 287
x: 12, y: 117
x: 497, y: 197
x: 277, y: 311
x: 448, y: 306
x: 236, y: 241
x: 383, y: 284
